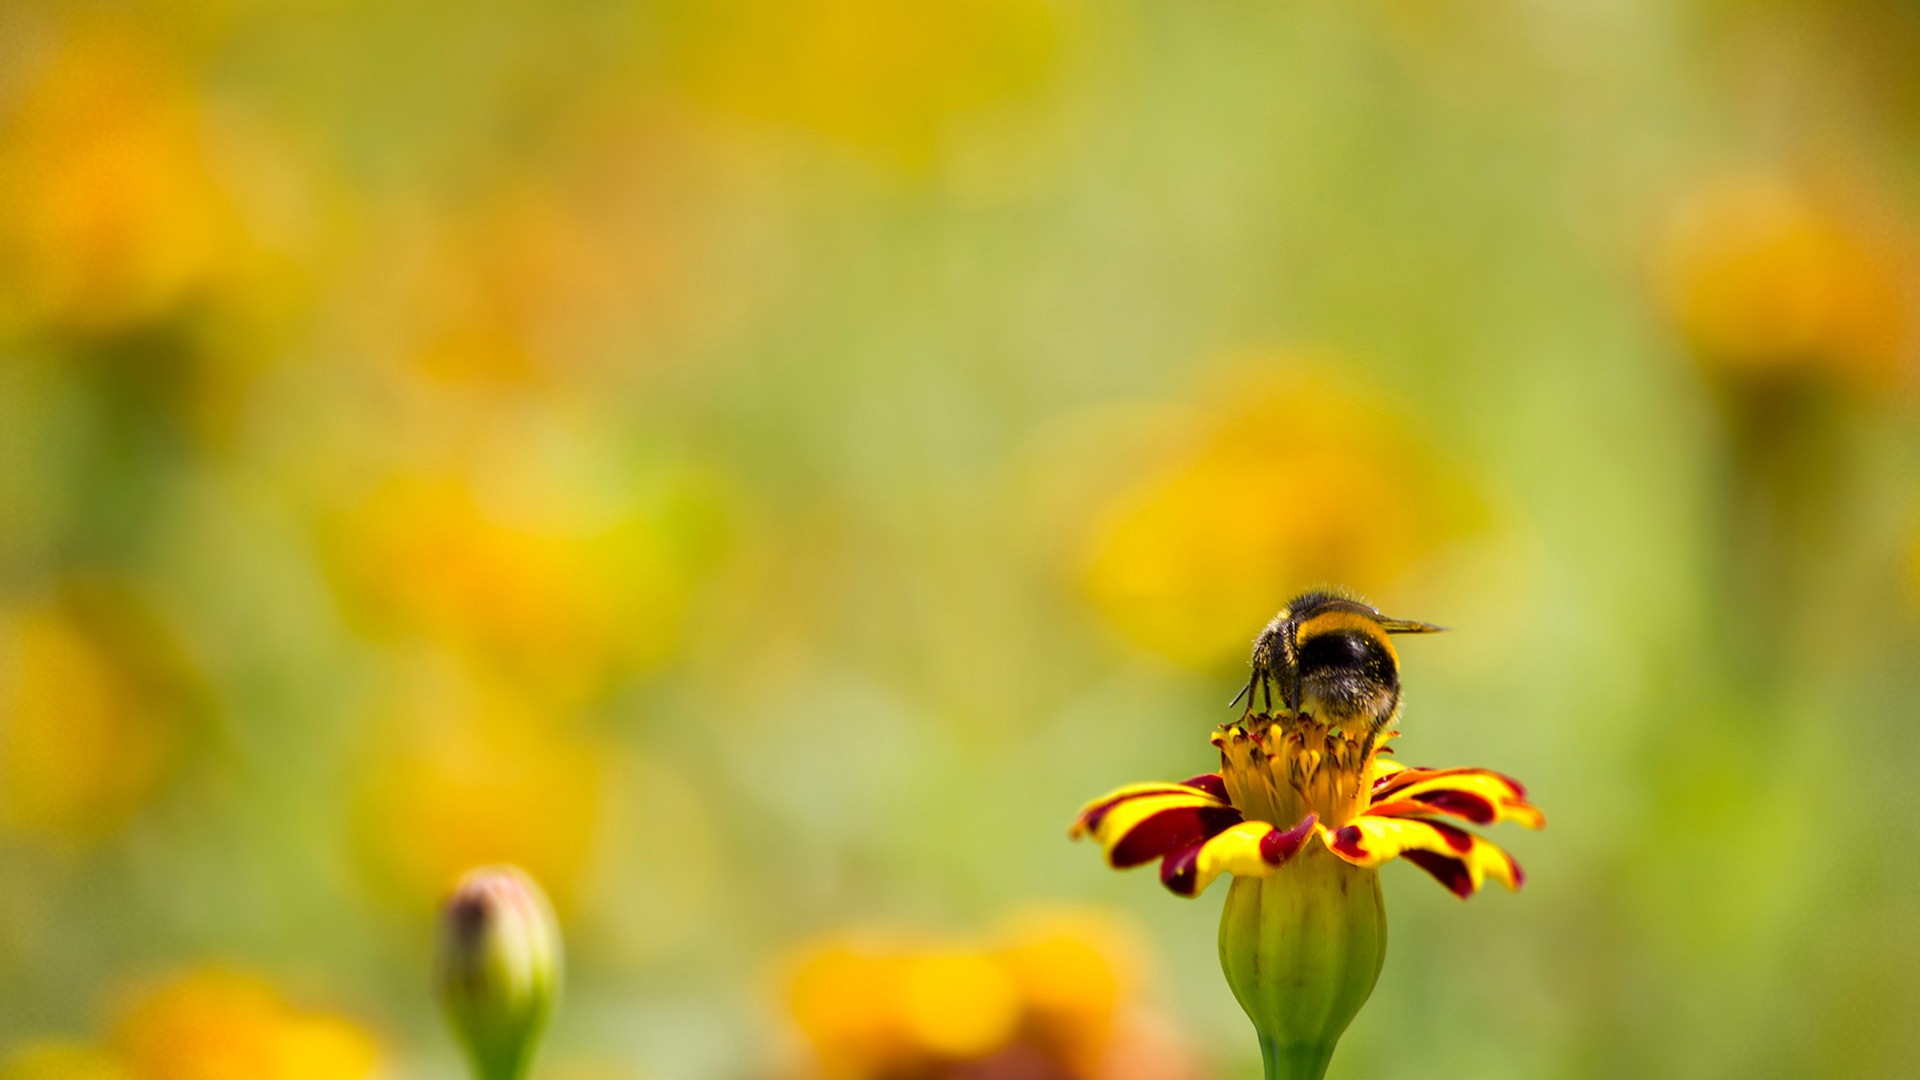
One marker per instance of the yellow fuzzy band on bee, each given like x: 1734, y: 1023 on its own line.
x: 1338, y: 620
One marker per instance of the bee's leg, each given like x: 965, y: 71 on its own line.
x: 1376, y: 726
x: 1247, y: 692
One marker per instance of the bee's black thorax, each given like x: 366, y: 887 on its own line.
x: 1347, y: 674
x: 1329, y: 655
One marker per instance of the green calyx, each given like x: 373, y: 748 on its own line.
x: 1302, y: 949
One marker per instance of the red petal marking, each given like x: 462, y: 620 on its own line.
x: 1519, y: 875
x: 1409, y: 777
x: 1475, y: 808
x: 1346, y: 841
x: 1169, y: 831
x: 1094, y: 815
x: 1448, y: 871
x: 1459, y: 840
x: 1091, y: 820
x: 1211, y: 783
x: 1208, y: 784
x: 1179, y: 870
x: 1380, y: 782
x: 1277, y: 847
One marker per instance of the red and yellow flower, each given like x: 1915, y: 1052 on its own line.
x: 1287, y: 781
x: 1302, y: 813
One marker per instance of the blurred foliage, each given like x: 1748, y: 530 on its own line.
x: 761, y: 465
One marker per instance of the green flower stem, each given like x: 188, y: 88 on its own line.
x: 1302, y: 949
x: 1283, y: 1062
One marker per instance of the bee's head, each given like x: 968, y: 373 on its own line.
x: 1331, y: 655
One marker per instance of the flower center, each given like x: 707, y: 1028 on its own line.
x: 1280, y: 768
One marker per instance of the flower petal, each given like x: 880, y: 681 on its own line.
x: 1459, y: 859
x: 1251, y: 848
x: 1384, y: 770
x: 1481, y: 796
x: 1208, y: 786
x: 1212, y: 783
x: 1144, y: 827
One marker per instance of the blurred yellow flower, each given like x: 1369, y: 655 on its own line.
x: 111, y: 209
x: 219, y: 1025
x: 468, y: 772
x: 879, y: 74
x: 1074, y: 974
x: 555, y: 587
x: 527, y: 285
x: 1768, y: 283
x: 1046, y: 998
x: 63, y: 1061
x: 957, y: 1004
x: 1279, y: 481
x: 93, y: 710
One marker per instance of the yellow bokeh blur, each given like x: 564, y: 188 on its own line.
x: 1052, y: 990
x: 1077, y: 974
x: 1769, y: 281
x: 112, y: 206
x: 93, y: 714
x: 465, y: 771
x: 887, y: 77
x: 522, y: 289
x: 215, y: 1024
x: 562, y: 588
x: 63, y: 1061
x: 1282, y: 480
x: 207, y: 1024
x: 957, y: 1005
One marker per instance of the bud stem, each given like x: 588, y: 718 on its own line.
x: 1295, y: 1062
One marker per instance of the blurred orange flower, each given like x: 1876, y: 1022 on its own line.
x: 1769, y: 282
x: 1048, y: 999
x: 526, y: 286
x: 210, y: 1024
x: 875, y: 73
x: 556, y: 586
x: 1278, y: 482
x: 469, y: 772
x: 94, y: 705
x: 219, y: 1025
x: 111, y: 209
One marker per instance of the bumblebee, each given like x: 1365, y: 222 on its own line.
x: 1328, y: 654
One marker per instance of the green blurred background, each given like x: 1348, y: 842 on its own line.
x: 761, y: 464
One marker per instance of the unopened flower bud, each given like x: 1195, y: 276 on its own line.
x: 498, y: 970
